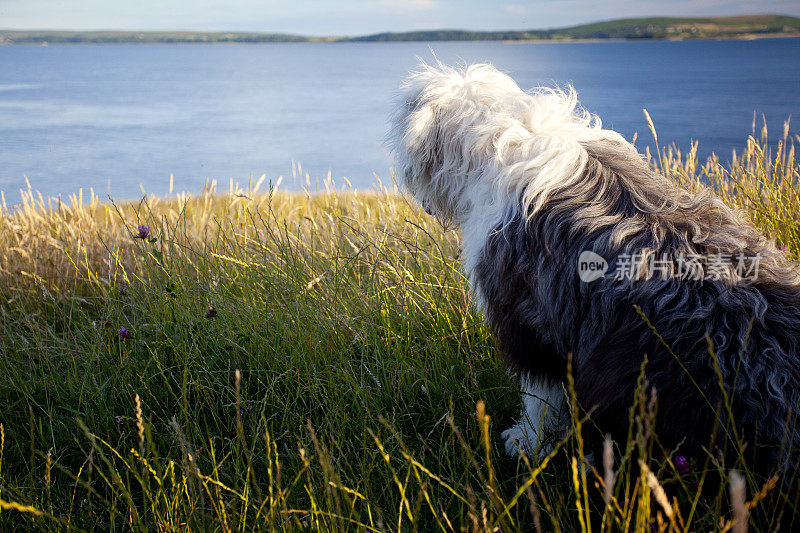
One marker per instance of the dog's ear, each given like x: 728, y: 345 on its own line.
x: 422, y: 143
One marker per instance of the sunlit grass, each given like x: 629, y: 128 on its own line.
x: 311, y: 361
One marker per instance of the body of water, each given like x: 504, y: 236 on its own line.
x: 117, y: 117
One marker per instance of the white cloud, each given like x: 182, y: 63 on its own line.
x: 517, y: 9
x: 410, y: 5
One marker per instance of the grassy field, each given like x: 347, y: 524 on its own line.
x: 266, y: 360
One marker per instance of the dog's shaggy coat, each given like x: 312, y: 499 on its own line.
x: 533, y: 181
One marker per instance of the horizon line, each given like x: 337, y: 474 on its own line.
x: 418, y: 30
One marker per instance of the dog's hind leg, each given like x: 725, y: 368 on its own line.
x: 543, y: 415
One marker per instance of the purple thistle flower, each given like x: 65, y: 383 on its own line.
x: 119, y: 420
x: 682, y: 464
x: 144, y: 232
x: 124, y: 333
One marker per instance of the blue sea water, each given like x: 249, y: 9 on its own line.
x: 117, y: 117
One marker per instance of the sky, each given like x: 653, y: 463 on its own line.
x: 354, y: 17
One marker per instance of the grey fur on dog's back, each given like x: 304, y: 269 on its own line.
x: 541, y: 310
x: 533, y: 181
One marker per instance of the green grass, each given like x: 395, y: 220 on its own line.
x: 308, y: 361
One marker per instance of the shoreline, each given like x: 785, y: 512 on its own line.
x: 743, y: 37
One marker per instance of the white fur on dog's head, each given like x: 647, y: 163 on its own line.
x: 471, y: 137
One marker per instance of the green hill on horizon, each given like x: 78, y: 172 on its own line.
x: 732, y: 27
x: 636, y: 28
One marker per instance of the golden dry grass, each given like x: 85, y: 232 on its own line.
x: 306, y: 361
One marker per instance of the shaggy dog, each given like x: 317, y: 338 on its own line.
x: 574, y: 245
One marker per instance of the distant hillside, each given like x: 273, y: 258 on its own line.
x: 145, y: 37
x: 685, y: 28
x: 740, y: 27
x: 639, y: 28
